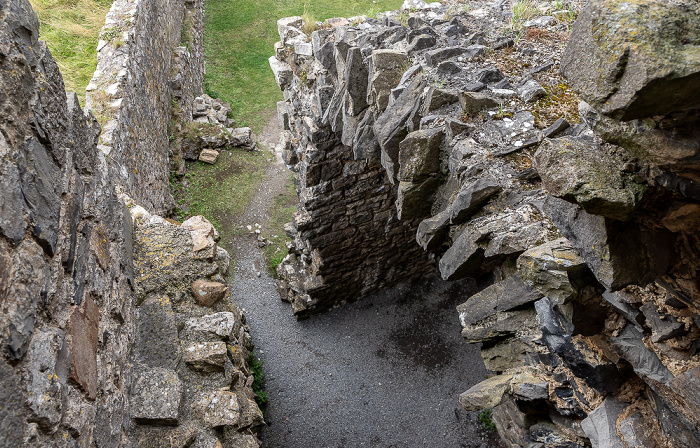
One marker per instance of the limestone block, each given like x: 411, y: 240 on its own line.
x: 204, y: 237
x: 206, y: 357
x: 473, y: 102
x: 157, y: 342
x: 223, y: 325
x: 208, y: 293
x: 471, y: 196
x: 601, y: 424
x: 44, y: 388
x: 419, y: 155
x: 387, y: 70
x: 208, y: 156
x: 218, y: 408
x: 155, y: 396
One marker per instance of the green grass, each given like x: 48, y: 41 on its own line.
x: 281, y: 211
x: 220, y: 192
x: 485, y: 419
x: 239, y: 38
x: 256, y: 367
x: 71, y: 29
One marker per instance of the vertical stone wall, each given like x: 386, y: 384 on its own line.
x: 578, y: 218
x: 66, y: 275
x: 348, y: 238
x: 150, y: 56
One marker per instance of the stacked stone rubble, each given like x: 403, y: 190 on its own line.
x: 582, y: 234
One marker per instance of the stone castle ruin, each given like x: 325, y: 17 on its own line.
x: 563, y: 176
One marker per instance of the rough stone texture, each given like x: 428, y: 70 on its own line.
x: 601, y: 424
x: 634, y: 71
x: 208, y: 293
x: 599, y: 217
x: 155, y: 397
x: 143, y: 64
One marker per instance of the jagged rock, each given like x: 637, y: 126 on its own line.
x: 218, y: 408
x: 619, y: 254
x: 387, y: 69
x: 433, y: 231
x: 557, y: 127
x: 531, y: 90
x: 208, y: 155
x: 204, y: 237
x: 584, y: 172
x: 547, y: 268
x: 601, y: 424
x: 206, y: 357
x: 282, y: 71
x: 471, y: 196
x: 415, y: 199
x: 615, y: 299
x: 507, y: 354
x: 663, y: 327
x: 208, y: 293
x: 586, y: 363
x: 531, y: 391
x: 390, y: 126
x: 421, y: 42
x: 44, y: 388
x: 241, y: 137
x: 500, y: 325
x: 434, y: 57
x: 356, y: 80
x: 11, y: 423
x: 487, y: 394
x: 630, y: 345
x: 493, y: 236
x: 438, y: 98
x: 635, y: 72
x: 502, y: 296
x: 488, y: 75
x: 472, y: 102
x: 155, y: 396
x: 419, y: 155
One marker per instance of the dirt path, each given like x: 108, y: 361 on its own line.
x: 382, y: 372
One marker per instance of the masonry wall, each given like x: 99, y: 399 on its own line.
x: 150, y: 57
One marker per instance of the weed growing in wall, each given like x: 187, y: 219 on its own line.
x: 485, y: 419
x: 256, y: 367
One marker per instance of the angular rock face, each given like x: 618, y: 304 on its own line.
x: 626, y: 68
x: 582, y: 230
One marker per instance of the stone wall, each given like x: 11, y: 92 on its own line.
x: 578, y: 216
x: 349, y: 239
x: 116, y: 326
x: 65, y: 262
x: 149, y: 58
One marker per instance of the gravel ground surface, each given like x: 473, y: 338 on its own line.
x: 385, y: 371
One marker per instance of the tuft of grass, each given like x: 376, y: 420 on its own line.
x: 71, y: 29
x: 485, y: 419
x: 281, y: 211
x: 222, y: 191
x: 239, y: 38
x: 256, y: 367
x: 523, y: 10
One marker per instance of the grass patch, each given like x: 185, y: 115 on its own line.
x: 239, y: 38
x: 71, y: 29
x: 281, y: 211
x: 222, y: 191
x: 485, y: 419
x: 256, y: 367
x: 523, y: 10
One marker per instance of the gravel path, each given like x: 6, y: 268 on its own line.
x: 382, y: 372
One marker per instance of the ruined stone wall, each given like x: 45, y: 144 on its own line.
x: 150, y: 57
x: 349, y: 239
x: 116, y: 326
x: 66, y: 274
x: 564, y: 178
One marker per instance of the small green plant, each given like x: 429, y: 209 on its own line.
x: 439, y: 83
x: 523, y: 10
x: 485, y: 419
x: 186, y: 32
x: 310, y: 24
x: 256, y: 367
x: 402, y: 17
